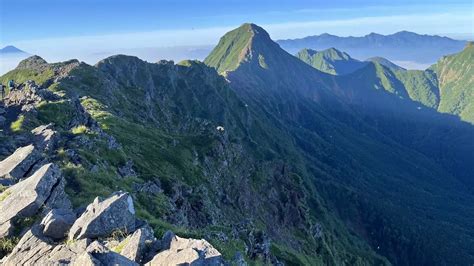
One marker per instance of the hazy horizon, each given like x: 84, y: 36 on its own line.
x: 112, y: 27
x: 154, y: 54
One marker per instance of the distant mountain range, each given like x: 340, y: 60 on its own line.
x: 398, y: 47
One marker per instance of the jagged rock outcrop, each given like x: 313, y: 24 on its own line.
x: 92, y: 233
x: 182, y: 251
x: 25, y: 95
x: 102, y: 217
x: 26, y: 198
x: 36, y: 249
x: 18, y: 164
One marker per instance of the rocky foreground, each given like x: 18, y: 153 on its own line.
x: 37, y: 215
x: 105, y: 233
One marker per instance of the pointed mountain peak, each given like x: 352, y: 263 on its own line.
x: 10, y: 49
x: 251, y: 27
x: 244, y: 43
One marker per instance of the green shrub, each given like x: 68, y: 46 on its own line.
x: 7, y: 244
x: 18, y: 124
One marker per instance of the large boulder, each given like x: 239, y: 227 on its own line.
x: 18, y: 164
x: 27, y: 197
x: 102, y: 217
x: 184, y: 251
x: 137, y: 245
x: 57, y: 222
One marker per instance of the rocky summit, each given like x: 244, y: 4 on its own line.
x: 252, y: 157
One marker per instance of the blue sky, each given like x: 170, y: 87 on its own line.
x: 62, y: 29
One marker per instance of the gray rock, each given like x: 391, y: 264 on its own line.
x: 138, y: 244
x: 57, y: 223
x: 19, y: 163
x: 26, y: 197
x: 102, y: 217
x: 106, y: 257
x: 58, y: 199
x: 86, y: 259
x: 187, y: 251
x: 36, y: 249
x: 6, y: 229
x: 45, y: 137
x: 167, y: 239
x: 23, y: 96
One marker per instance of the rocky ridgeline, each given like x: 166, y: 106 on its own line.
x: 36, y: 209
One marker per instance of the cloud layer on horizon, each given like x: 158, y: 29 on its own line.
x: 177, y: 44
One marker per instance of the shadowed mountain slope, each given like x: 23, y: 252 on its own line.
x: 347, y: 114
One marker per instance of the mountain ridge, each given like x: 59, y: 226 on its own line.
x: 383, y: 108
x: 267, y: 158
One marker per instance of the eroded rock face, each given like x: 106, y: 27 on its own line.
x: 25, y: 198
x: 18, y: 164
x: 186, y: 251
x: 102, y: 217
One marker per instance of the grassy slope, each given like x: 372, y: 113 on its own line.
x: 456, y: 81
x: 171, y: 138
